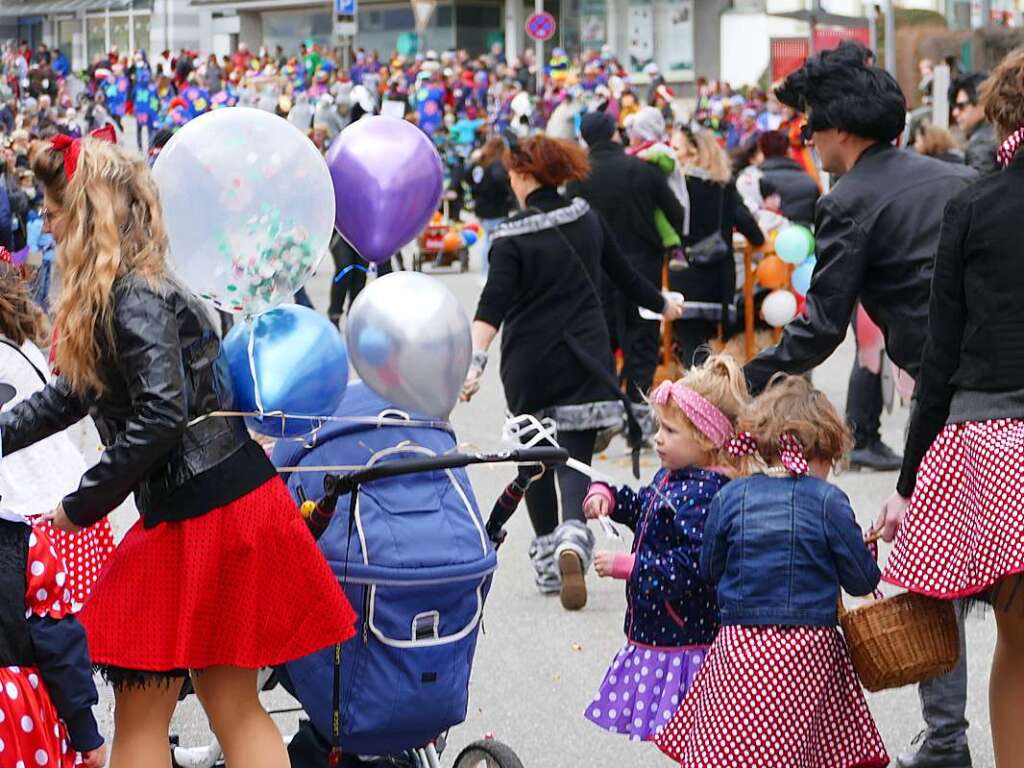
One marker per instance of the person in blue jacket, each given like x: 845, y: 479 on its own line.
x: 778, y: 685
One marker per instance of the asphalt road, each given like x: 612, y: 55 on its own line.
x: 537, y: 666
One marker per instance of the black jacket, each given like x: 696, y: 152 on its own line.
x: 549, y: 307
x: 794, y: 186
x: 876, y: 231
x: 492, y: 195
x: 712, y: 206
x: 975, y: 326
x: 161, y: 372
x: 980, y: 152
x: 626, y: 191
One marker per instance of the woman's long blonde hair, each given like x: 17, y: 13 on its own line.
x: 706, y: 156
x: 113, y: 227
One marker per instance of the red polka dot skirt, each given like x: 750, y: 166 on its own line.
x: 964, y: 527
x: 243, y: 585
x: 31, y: 734
x: 775, y: 696
x: 84, y: 554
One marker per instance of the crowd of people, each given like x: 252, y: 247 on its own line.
x: 589, y: 196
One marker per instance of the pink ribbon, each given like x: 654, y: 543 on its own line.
x: 712, y: 423
x: 1009, y: 147
x: 791, y: 453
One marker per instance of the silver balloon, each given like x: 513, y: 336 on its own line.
x: 409, y: 340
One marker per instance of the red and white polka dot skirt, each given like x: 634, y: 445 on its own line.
x: 964, y: 528
x: 84, y: 554
x: 775, y: 696
x: 31, y: 734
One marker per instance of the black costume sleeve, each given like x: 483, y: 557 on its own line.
x: 624, y: 276
x: 808, y: 341
x: 503, y: 282
x: 50, y: 410
x: 149, y: 360
x: 62, y: 656
x: 941, y: 356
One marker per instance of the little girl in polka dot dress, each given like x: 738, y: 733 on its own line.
x: 46, y: 685
x: 671, y: 612
x: 777, y: 687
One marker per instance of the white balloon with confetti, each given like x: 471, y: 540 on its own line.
x: 249, y: 208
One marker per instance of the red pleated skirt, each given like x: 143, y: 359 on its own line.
x: 243, y: 585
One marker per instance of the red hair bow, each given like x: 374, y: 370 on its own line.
x: 5, y: 256
x: 71, y: 147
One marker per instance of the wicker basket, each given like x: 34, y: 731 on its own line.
x: 901, y: 640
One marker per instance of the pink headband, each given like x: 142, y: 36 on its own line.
x: 712, y: 423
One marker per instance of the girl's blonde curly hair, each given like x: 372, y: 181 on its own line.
x: 21, y: 319
x: 112, y: 227
x: 721, y: 382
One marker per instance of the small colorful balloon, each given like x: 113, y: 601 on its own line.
x: 469, y: 236
x: 794, y: 244
x: 772, y: 272
x: 452, y: 241
x: 801, y: 279
x: 779, y: 308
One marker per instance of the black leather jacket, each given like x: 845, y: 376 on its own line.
x: 877, y: 231
x: 161, y: 373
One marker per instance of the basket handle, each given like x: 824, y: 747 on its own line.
x: 871, y: 541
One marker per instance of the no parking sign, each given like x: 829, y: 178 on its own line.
x: 541, y: 26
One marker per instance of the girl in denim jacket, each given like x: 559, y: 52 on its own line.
x: 671, y: 613
x: 778, y: 687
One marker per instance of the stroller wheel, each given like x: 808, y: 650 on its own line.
x: 487, y: 754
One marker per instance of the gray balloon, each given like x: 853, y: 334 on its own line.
x: 409, y: 340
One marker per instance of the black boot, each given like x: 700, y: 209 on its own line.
x: 875, y: 456
x: 930, y: 757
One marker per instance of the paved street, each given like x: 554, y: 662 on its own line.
x: 537, y: 666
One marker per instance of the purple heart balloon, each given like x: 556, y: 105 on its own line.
x: 388, y: 182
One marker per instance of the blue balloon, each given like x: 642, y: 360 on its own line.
x: 801, y: 279
x: 469, y: 236
x: 301, y: 367
x: 794, y: 244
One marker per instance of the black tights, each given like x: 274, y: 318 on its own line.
x: 541, y: 499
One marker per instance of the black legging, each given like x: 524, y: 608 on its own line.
x: 354, y: 280
x: 541, y: 499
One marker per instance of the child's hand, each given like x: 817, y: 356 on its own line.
x: 603, y: 560
x: 596, y: 506
x: 97, y: 758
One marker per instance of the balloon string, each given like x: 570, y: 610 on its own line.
x: 341, y: 275
x: 252, y: 365
x: 379, y: 421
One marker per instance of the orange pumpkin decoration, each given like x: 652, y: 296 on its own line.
x: 773, y: 273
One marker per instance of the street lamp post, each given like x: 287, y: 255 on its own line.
x: 890, y: 37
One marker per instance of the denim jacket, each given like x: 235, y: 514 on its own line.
x: 780, y: 548
x: 668, y: 603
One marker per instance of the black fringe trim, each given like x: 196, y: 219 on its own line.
x: 121, y: 679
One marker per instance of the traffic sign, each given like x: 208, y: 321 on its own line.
x: 345, y: 7
x: 422, y: 10
x: 541, y: 26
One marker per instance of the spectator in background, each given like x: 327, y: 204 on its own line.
x: 936, y: 142
x: 782, y: 175
x: 626, y: 191
x: 980, y: 151
x: 492, y: 195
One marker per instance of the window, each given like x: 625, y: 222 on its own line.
x: 66, y: 36
x: 95, y: 37
x: 141, y: 24
x: 119, y: 34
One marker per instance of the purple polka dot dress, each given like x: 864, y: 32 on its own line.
x: 671, y: 613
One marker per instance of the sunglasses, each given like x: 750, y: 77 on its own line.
x: 961, y: 105
x: 814, y: 123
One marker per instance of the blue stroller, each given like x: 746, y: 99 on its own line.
x: 415, y: 557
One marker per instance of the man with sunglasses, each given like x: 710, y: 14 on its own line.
x: 980, y: 150
x: 877, y: 232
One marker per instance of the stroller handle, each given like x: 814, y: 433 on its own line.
x: 343, y: 484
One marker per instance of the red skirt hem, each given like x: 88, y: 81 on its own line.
x: 243, y: 585
x: 962, y: 594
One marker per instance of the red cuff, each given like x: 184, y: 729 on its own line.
x: 602, y: 489
x: 622, y: 565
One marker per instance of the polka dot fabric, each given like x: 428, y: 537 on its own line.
x: 775, y: 696
x: 643, y: 688
x: 84, y: 553
x: 964, y: 527
x: 31, y: 733
x: 243, y: 585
